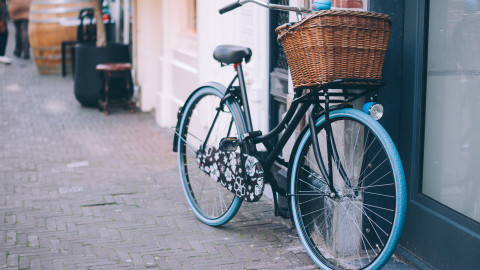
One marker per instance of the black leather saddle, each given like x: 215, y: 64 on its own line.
x: 232, y: 54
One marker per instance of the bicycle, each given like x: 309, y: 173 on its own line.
x: 346, y: 185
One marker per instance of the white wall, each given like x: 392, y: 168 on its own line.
x: 178, y: 62
x: 148, y: 48
x: 245, y: 26
x: 167, y: 57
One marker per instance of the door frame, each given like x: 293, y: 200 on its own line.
x: 434, y: 234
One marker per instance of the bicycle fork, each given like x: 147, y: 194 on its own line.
x: 332, y: 153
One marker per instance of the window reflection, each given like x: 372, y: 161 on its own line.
x: 451, y: 173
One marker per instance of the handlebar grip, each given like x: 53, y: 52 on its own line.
x: 229, y: 7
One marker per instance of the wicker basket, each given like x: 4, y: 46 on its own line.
x: 335, y: 44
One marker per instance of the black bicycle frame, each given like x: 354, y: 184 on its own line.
x: 299, y: 106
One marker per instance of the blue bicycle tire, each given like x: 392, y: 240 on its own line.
x: 321, y: 245
x: 205, y: 213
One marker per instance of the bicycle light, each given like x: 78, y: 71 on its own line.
x: 375, y: 110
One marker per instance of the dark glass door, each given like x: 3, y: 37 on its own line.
x: 441, y: 145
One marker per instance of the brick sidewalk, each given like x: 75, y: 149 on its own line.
x: 81, y: 190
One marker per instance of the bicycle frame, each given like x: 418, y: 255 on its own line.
x: 301, y: 103
x: 304, y: 99
x: 345, y: 191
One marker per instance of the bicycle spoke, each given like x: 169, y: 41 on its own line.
x: 315, y: 164
x: 312, y: 186
x: 374, y: 186
x: 376, y: 181
x: 365, y: 177
x: 318, y: 197
x: 306, y: 226
x: 370, y: 220
x: 355, y: 147
x: 378, y: 194
x: 378, y: 215
x: 372, y: 160
x: 359, y: 230
x: 203, y: 185
x: 209, y: 199
x: 378, y: 207
x: 315, y: 211
x: 188, y: 145
x: 352, y: 229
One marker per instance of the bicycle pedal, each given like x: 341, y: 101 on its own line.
x: 229, y: 144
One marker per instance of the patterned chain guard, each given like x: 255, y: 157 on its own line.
x: 226, y: 168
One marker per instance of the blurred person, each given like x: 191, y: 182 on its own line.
x: 19, y: 11
x: 3, y: 33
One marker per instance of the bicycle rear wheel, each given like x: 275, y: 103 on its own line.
x: 360, y: 227
x: 212, y: 203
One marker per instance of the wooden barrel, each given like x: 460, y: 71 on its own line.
x: 50, y: 23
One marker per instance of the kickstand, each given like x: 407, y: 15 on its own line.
x: 273, y: 185
x: 275, y: 203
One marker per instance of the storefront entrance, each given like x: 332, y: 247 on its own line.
x: 441, y: 145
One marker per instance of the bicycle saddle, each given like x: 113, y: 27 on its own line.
x: 232, y: 54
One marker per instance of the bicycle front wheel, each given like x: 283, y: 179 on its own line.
x: 358, y: 228
x: 204, y: 124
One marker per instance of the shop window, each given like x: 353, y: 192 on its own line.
x: 452, y: 148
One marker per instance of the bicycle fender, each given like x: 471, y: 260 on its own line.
x: 181, y: 110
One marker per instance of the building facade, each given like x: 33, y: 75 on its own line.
x: 175, y: 42
x: 432, y: 69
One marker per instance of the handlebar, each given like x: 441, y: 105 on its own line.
x: 229, y: 7
x: 240, y: 3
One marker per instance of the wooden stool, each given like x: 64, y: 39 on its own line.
x: 115, y: 70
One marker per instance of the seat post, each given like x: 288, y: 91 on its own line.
x: 243, y: 91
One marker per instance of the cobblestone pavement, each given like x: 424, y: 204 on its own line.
x: 81, y: 190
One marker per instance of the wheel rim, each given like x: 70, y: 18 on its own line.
x: 357, y: 229
x: 210, y: 201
